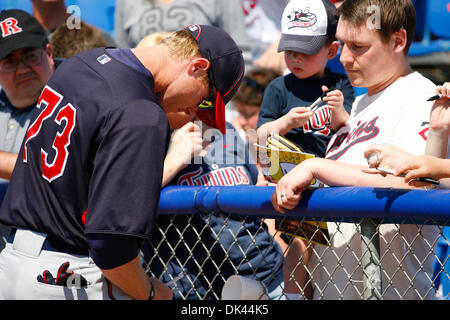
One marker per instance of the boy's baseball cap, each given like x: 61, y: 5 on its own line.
x: 19, y: 29
x: 305, y: 25
x: 227, y: 69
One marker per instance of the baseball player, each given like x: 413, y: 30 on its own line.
x: 85, y: 189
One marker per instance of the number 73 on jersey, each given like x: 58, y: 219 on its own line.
x: 48, y: 103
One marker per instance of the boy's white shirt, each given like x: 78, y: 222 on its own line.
x: 398, y: 115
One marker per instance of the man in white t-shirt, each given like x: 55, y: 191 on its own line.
x: 375, y: 37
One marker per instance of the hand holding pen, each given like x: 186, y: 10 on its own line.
x: 315, y: 105
x: 384, y: 157
x: 442, y: 91
x: 393, y: 172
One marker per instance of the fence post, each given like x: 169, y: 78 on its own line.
x: 370, y: 258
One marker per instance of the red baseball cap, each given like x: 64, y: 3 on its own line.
x: 227, y: 69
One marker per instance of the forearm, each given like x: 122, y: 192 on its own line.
x: 171, y: 167
x: 7, y: 163
x: 437, y: 143
x: 289, y: 189
x: 279, y: 126
x: 338, y: 119
x: 131, y: 279
x: 334, y: 173
x: 445, y: 169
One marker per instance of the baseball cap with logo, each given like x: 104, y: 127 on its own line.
x: 19, y: 29
x: 226, y: 70
x: 306, y: 24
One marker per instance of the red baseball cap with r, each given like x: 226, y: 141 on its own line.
x: 227, y: 69
x: 19, y: 29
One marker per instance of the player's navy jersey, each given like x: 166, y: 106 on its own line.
x: 92, y: 159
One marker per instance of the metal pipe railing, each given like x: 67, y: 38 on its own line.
x: 367, y: 204
x: 370, y: 205
x: 332, y: 203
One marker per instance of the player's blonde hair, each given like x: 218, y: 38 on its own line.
x: 182, y: 46
x: 152, y: 39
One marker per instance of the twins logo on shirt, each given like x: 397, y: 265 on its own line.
x: 319, y: 122
x: 228, y: 176
x: 363, y: 132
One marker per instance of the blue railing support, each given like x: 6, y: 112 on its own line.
x: 334, y: 203
x: 331, y: 203
x: 366, y: 204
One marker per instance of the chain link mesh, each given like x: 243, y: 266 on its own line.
x: 407, y: 248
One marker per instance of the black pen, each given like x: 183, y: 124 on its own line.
x: 438, y: 96
x: 422, y: 179
x: 316, y: 103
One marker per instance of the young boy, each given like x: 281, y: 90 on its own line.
x: 308, y: 41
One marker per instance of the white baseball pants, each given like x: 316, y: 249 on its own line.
x: 23, y: 260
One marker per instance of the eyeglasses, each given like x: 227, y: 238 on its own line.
x: 30, y: 59
x: 208, y: 103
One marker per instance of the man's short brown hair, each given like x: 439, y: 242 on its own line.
x: 394, y: 15
x: 68, y: 42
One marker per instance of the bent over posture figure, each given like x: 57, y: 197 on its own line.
x: 85, y: 189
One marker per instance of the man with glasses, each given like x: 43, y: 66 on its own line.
x: 84, y: 193
x: 26, y: 64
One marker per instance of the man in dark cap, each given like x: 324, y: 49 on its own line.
x: 26, y: 64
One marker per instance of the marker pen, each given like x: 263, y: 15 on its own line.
x: 316, y: 103
x: 426, y: 180
x: 433, y: 98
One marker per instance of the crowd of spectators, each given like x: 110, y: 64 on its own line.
x: 286, y: 71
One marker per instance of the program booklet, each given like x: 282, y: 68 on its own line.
x: 278, y: 157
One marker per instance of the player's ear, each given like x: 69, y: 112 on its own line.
x: 198, y: 65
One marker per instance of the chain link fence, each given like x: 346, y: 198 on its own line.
x: 395, y: 254
x: 412, y: 259
x: 400, y: 253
